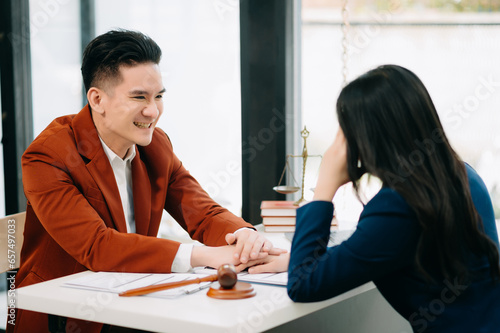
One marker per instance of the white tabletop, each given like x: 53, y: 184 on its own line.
x: 196, y: 312
x: 270, y: 309
x: 271, y: 306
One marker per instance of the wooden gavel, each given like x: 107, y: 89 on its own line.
x: 226, y: 275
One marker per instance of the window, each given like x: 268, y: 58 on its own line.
x: 55, y: 60
x: 451, y: 46
x: 200, y: 67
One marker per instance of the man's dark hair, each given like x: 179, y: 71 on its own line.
x: 104, y: 55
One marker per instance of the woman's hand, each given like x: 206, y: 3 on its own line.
x: 269, y: 264
x: 215, y: 256
x: 333, y: 169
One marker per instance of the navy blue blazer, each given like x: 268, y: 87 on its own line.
x: 382, y: 250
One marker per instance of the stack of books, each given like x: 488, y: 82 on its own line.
x: 279, y: 216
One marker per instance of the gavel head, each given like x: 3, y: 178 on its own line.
x: 226, y: 275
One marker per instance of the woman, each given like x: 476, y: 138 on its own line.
x: 427, y: 239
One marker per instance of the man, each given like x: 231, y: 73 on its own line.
x: 97, y: 183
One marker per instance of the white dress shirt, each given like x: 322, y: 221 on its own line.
x: 122, y: 168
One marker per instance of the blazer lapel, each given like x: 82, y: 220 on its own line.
x: 142, y: 195
x: 89, y: 145
x: 101, y: 171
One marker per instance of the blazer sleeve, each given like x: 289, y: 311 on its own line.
x: 384, y: 241
x: 191, y: 206
x: 67, y: 217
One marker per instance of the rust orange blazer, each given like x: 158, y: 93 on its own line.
x: 74, y: 216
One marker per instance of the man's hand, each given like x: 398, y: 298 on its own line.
x: 250, y: 245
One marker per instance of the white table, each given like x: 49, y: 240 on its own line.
x: 360, y: 310
x: 198, y: 312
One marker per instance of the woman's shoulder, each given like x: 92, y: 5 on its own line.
x: 479, y: 193
x: 482, y: 202
x: 476, y: 183
x: 387, y: 201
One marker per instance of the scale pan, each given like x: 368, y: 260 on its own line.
x: 286, y: 189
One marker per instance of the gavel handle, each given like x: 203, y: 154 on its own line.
x: 164, y: 286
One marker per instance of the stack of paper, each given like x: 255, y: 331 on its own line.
x: 119, y: 282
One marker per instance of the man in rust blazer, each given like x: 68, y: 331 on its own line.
x: 97, y: 183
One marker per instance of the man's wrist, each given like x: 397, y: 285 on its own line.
x: 243, y: 229
x: 182, y: 260
x: 199, y: 256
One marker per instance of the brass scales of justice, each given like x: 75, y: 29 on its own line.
x: 287, y: 189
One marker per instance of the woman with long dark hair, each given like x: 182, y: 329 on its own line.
x: 427, y: 239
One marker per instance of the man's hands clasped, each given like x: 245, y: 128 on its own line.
x: 246, y: 248
x: 250, y: 248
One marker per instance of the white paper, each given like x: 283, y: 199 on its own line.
x: 119, y: 282
x: 277, y: 279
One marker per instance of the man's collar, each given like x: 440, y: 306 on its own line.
x: 112, y: 156
x: 86, y: 137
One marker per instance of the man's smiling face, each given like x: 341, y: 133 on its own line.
x: 130, y: 108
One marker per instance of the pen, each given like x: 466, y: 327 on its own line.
x: 165, y: 286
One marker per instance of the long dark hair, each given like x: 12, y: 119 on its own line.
x: 393, y: 130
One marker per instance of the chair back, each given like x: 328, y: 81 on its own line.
x: 11, y: 241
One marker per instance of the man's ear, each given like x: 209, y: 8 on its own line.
x: 95, y: 97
